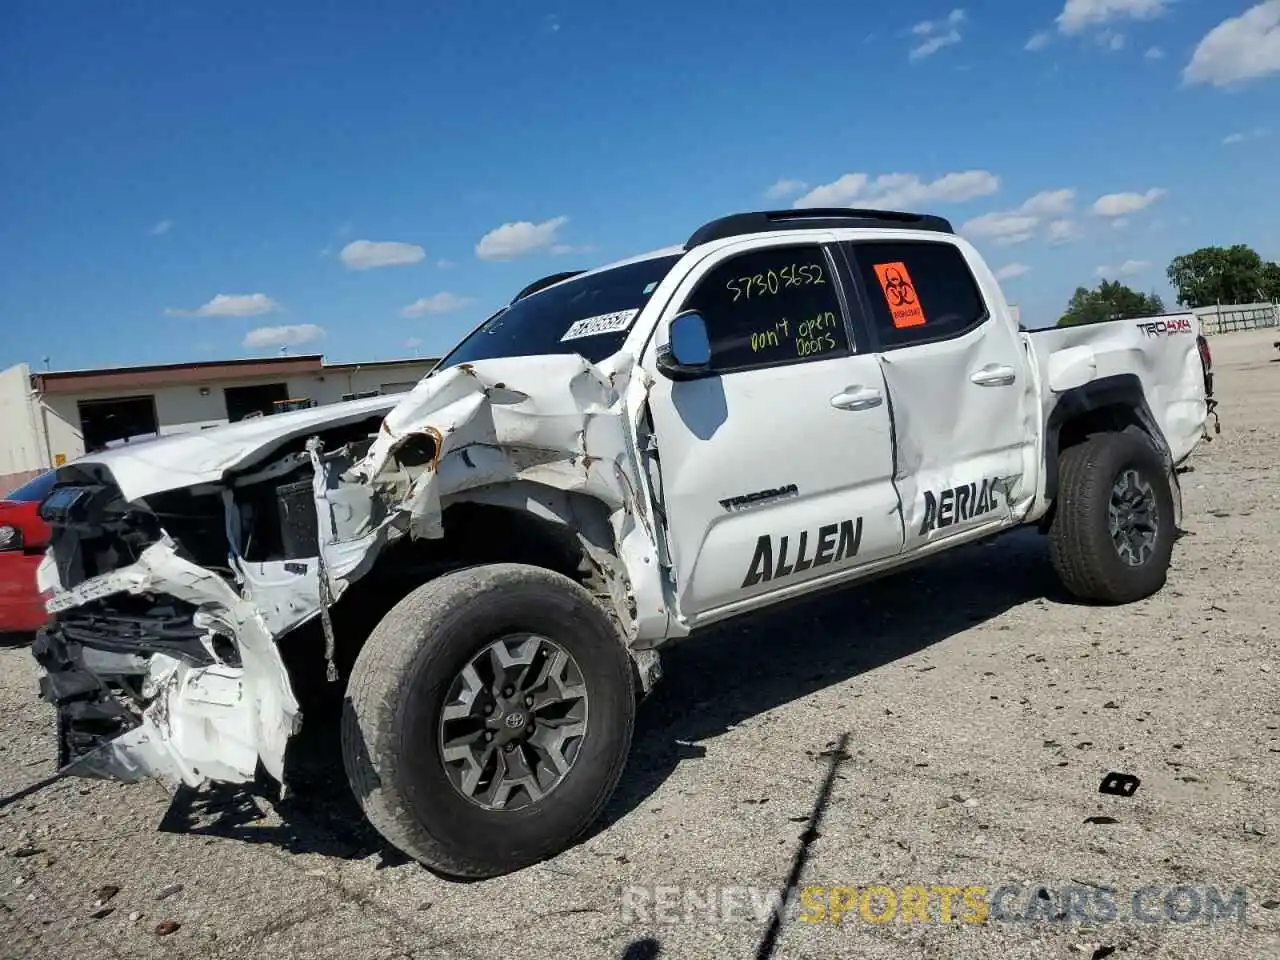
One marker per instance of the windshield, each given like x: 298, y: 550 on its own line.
x: 589, y: 315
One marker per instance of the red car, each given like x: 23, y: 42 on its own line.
x: 23, y: 538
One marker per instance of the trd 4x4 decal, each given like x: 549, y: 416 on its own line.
x: 1165, y: 328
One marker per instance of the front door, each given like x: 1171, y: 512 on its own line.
x: 956, y: 369
x: 776, y: 472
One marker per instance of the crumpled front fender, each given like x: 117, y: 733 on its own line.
x: 557, y: 421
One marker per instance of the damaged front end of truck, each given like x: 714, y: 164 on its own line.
x: 176, y: 569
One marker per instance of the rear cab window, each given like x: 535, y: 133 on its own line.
x: 771, y: 307
x: 917, y: 291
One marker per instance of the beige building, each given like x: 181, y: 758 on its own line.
x: 52, y: 417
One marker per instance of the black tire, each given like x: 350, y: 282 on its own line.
x: 1084, y: 554
x: 391, y: 716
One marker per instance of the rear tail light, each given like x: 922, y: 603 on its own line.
x: 10, y: 538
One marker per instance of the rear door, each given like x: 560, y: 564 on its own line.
x: 958, y: 379
x: 776, y: 472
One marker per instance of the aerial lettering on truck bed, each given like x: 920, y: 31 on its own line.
x: 900, y: 294
x: 1165, y: 328
x: 958, y: 504
x: 832, y: 543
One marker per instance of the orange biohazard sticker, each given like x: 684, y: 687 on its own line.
x: 900, y: 294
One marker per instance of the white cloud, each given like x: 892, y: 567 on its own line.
x: 934, y: 44
x: 369, y: 254
x: 1244, y: 136
x: 927, y: 27
x: 519, y: 239
x: 443, y: 302
x: 562, y: 248
x: 1238, y: 49
x: 1049, y: 203
x: 1039, y: 40
x: 161, y: 228
x: 230, y: 305
x: 1005, y: 228
x: 1127, y: 269
x: 1111, y: 40
x: 1122, y: 204
x: 1012, y: 270
x: 1079, y: 15
x: 785, y: 188
x: 1009, y: 227
x: 291, y: 335
x: 937, y: 34
x: 1119, y: 223
x: 1063, y: 231
x: 900, y: 190
x: 444, y: 264
x: 1154, y: 53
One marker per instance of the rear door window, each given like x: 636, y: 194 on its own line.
x: 918, y: 291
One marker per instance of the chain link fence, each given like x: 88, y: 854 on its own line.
x: 1231, y: 318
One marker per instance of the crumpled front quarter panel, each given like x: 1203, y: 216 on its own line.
x: 558, y: 421
x: 521, y: 418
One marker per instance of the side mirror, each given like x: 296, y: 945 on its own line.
x: 687, y: 354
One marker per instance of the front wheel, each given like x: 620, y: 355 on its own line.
x: 1112, y: 534
x: 488, y: 719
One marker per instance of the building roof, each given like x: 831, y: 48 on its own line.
x: 206, y: 371
x: 375, y: 364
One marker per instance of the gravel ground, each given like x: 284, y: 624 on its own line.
x: 947, y: 726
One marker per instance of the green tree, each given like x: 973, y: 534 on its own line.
x: 1271, y: 281
x: 1111, y: 301
x: 1213, y: 275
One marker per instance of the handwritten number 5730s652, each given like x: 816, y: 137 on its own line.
x: 771, y: 282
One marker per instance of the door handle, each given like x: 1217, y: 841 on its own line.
x: 857, y: 398
x: 994, y: 375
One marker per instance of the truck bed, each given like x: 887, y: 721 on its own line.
x: 1160, y: 351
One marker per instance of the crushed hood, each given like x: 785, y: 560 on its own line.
x: 188, y: 459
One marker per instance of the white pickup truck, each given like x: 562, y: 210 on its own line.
x: 788, y: 402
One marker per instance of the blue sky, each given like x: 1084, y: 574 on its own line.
x: 184, y: 181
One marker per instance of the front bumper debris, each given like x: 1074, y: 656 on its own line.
x: 194, y: 691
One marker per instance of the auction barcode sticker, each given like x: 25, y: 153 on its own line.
x: 604, y: 323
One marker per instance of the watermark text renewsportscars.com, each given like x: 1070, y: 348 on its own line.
x: 1071, y: 903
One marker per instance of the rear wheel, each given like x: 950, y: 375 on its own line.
x: 488, y: 719
x: 1112, y: 534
